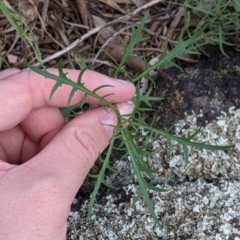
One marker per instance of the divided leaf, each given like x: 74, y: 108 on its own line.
x: 138, y: 167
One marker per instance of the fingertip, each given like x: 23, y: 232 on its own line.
x: 110, y: 120
x: 125, y: 108
x: 128, y: 87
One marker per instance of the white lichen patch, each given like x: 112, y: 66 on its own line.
x: 203, y: 201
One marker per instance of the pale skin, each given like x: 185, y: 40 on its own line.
x: 43, y: 160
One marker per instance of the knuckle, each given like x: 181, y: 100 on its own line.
x: 84, y: 145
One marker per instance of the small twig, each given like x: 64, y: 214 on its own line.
x: 147, y: 5
x: 95, y: 30
x: 71, y: 46
x: 13, y: 44
x: 114, y: 5
x: 173, y: 25
x: 44, y: 14
x: 44, y: 28
x: 76, y: 24
x: 107, y: 41
x: 92, y: 60
x: 84, y: 13
x: 116, y: 34
x: 61, y: 31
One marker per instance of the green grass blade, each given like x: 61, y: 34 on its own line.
x: 55, y: 87
x: 183, y: 141
x: 136, y: 38
x: 10, y: 16
x: 71, y: 95
x: 100, y: 179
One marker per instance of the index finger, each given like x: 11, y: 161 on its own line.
x: 25, y: 91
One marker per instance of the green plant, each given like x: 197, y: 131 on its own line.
x: 127, y: 130
x: 220, y: 18
x: 21, y: 27
x: 218, y: 21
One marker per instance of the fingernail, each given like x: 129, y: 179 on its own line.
x: 109, y: 121
x: 125, y: 108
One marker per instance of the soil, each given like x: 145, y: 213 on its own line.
x: 211, y: 87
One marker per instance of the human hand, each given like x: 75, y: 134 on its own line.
x: 43, y: 160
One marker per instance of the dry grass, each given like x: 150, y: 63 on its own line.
x: 64, y: 29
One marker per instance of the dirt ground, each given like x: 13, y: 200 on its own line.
x: 210, y: 86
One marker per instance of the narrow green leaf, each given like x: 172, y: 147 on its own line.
x: 21, y: 27
x: 55, y: 87
x: 107, y: 95
x: 71, y: 95
x: 102, y: 86
x: 147, y: 169
x: 93, y: 175
x: 79, y: 81
x: 84, y: 99
x: 172, y: 126
x: 194, y: 134
x: 136, y: 38
x: 182, y: 141
x: 108, y: 185
x: 60, y: 71
x: 81, y: 61
x: 146, y: 98
x: 179, y: 49
x: 101, y: 176
x: 113, y: 169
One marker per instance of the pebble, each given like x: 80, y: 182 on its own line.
x: 203, y: 201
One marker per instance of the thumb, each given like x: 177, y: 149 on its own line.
x: 69, y: 156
